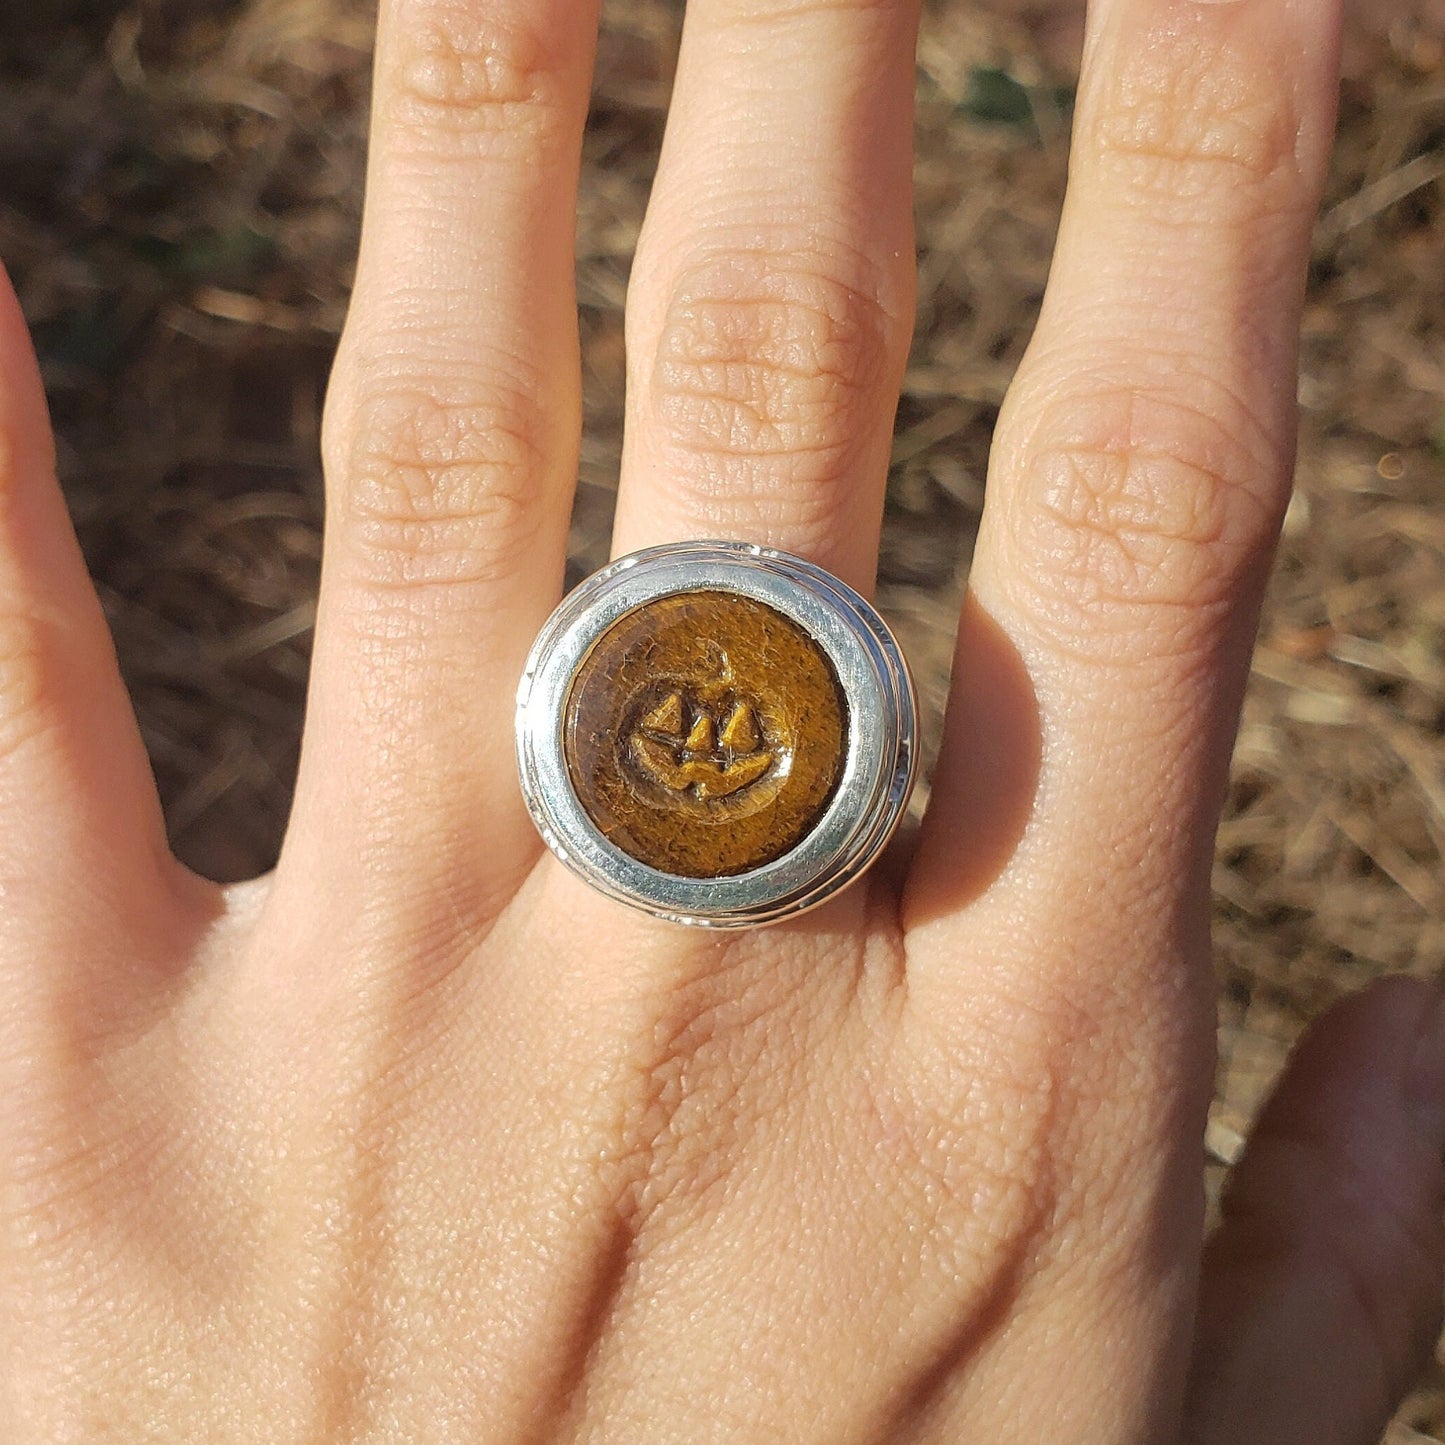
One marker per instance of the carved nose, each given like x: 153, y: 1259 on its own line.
x: 702, y: 740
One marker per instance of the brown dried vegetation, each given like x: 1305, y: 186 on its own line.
x: 180, y: 196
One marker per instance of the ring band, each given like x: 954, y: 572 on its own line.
x: 718, y: 733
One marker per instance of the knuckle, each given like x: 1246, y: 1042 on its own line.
x: 1129, y: 523
x: 1035, y: 1093
x: 438, y: 488
x: 772, y: 367
x: 971, y: 1120
x: 456, y: 69
x: 1180, y: 119
x: 1129, y: 502
x: 694, y: 1103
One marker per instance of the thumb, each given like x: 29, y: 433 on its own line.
x: 1321, y: 1294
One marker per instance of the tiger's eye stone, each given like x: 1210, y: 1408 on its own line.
x: 704, y: 733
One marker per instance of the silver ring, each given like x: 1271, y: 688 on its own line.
x: 718, y: 733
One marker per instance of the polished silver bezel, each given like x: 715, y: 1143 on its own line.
x: 878, y: 770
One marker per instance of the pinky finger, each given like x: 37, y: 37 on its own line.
x: 1321, y: 1295
x: 81, y: 833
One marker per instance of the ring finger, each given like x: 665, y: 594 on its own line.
x: 772, y: 297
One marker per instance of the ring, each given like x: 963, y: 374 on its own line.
x: 718, y: 733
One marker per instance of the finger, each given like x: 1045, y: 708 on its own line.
x: 1143, y: 459
x: 1141, y: 466
x: 451, y: 444
x: 81, y: 833
x: 1322, y: 1291
x: 772, y: 297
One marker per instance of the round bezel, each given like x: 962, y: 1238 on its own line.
x: 878, y: 770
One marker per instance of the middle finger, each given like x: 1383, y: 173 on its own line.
x: 772, y: 298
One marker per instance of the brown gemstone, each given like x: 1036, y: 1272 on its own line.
x: 705, y: 733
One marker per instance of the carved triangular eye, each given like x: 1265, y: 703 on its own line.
x: 703, y: 737
x: 666, y: 717
x: 740, y: 732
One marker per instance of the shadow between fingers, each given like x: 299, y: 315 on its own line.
x: 987, y: 776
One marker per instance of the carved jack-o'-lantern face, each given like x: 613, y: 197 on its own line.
x: 699, y: 759
x: 705, y: 733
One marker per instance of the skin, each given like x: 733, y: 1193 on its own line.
x: 417, y: 1139
x: 1413, y: 29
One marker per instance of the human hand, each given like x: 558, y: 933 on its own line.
x: 1416, y: 28
x: 417, y: 1139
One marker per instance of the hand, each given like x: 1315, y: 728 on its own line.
x: 1414, y: 28
x: 417, y: 1139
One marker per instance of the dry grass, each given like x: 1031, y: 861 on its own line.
x: 181, y: 182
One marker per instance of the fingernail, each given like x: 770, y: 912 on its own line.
x: 1425, y: 1071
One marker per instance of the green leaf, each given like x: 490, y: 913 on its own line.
x: 995, y: 96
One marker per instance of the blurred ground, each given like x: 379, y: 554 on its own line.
x: 180, y: 183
